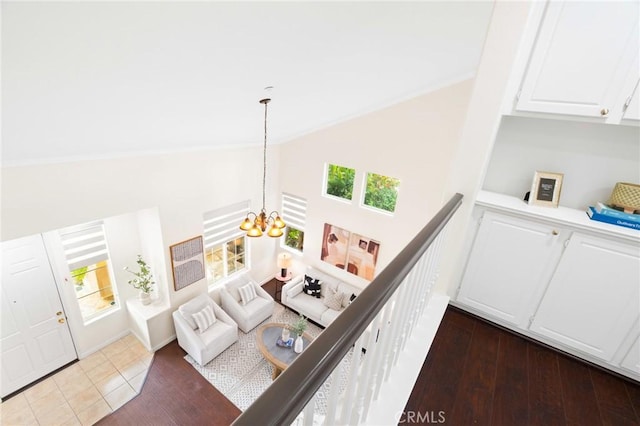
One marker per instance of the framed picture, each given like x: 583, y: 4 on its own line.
x: 545, y: 190
x: 187, y: 262
x: 352, y: 252
x: 335, y: 241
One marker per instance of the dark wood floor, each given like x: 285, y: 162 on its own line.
x: 480, y: 374
x: 475, y: 374
x: 174, y: 393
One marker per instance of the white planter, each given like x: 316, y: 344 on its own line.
x: 145, y: 298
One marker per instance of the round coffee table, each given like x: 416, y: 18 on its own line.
x: 278, y: 356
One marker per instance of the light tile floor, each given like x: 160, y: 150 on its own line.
x: 84, y: 392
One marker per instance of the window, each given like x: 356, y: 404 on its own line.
x: 340, y: 181
x: 381, y: 192
x: 87, y: 256
x: 224, y: 241
x: 294, y: 214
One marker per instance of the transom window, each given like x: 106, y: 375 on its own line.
x: 339, y: 181
x: 225, y: 242
x: 294, y: 213
x: 87, y: 256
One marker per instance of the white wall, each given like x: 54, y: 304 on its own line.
x: 480, y: 128
x: 176, y: 188
x: 414, y: 141
x: 123, y: 242
x: 592, y: 156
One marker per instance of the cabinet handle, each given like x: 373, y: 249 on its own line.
x: 604, y: 111
x: 61, y: 320
x: 554, y: 232
x: 59, y: 313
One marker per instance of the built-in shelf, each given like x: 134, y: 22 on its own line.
x: 561, y: 215
x: 147, y: 322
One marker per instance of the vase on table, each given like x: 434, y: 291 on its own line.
x: 285, y: 334
x: 298, y: 346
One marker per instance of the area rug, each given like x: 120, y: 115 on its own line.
x: 242, y: 374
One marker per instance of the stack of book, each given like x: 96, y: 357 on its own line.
x: 285, y: 344
x: 603, y: 213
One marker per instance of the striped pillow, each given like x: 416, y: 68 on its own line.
x: 247, y: 293
x: 205, y: 318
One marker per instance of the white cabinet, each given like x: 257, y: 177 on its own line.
x: 556, y: 276
x: 631, y: 362
x: 512, y: 261
x: 583, y: 59
x: 593, y: 299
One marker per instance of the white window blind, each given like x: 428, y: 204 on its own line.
x: 294, y: 211
x: 222, y: 225
x: 85, y: 245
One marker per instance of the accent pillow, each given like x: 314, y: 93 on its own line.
x: 312, y: 286
x: 247, y: 293
x: 204, y: 318
x: 333, y: 300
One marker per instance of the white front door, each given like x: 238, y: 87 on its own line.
x: 35, y: 338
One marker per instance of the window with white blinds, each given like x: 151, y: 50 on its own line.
x: 87, y: 255
x: 294, y: 214
x: 224, y: 241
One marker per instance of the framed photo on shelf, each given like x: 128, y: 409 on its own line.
x: 545, y: 190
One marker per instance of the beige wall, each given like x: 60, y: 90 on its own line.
x: 414, y: 141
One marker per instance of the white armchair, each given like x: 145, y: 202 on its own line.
x: 247, y: 312
x: 206, y: 345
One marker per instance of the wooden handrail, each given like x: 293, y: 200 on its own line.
x: 281, y: 403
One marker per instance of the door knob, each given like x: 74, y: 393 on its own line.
x: 604, y: 111
x: 61, y: 320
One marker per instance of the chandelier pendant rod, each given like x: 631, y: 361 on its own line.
x: 264, y: 158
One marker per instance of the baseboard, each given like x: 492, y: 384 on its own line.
x: 82, y: 355
x: 164, y: 343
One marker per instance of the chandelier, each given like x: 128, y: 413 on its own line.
x: 256, y: 224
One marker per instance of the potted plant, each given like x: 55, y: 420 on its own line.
x: 299, y: 327
x: 143, y: 280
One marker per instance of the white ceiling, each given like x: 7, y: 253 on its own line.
x: 90, y: 80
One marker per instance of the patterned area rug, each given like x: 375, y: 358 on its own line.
x: 242, y: 374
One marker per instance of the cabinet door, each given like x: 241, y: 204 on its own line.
x: 593, y: 299
x: 511, y: 261
x: 583, y: 53
x: 632, y: 104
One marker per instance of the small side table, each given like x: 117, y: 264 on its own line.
x: 279, y: 283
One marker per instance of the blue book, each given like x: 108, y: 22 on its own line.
x: 594, y: 215
x: 286, y: 344
x: 602, y: 208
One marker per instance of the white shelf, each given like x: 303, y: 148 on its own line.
x: 561, y: 215
x: 147, y: 311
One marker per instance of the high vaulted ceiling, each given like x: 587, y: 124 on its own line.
x: 102, y: 79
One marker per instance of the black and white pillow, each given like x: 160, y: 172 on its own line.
x: 312, y: 286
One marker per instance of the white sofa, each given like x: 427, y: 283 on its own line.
x: 315, y: 308
x: 204, y: 346
x: 248, y: 315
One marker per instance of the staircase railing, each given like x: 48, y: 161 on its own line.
x: 379, y: 320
